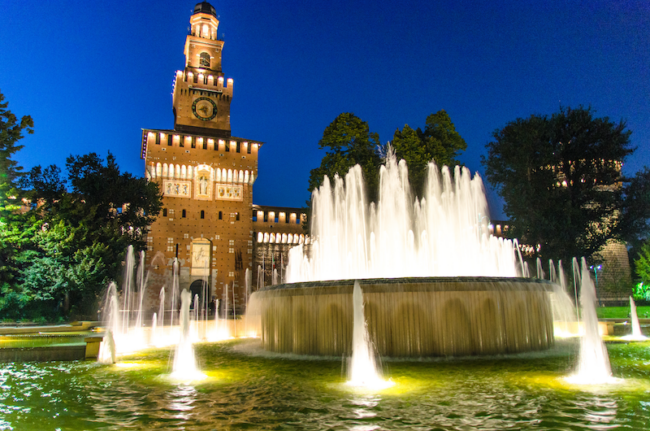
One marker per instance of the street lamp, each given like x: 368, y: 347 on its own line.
x: 597, y: 268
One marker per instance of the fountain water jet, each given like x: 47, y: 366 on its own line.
x: 184, y: 360
x: 565, y: 322
x: 446, y: 233
x: 593, y: 360
x: 107, y: 350
x: 636, y: 334
x: 362, y: 366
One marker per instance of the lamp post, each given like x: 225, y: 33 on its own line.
x: 597, y: 268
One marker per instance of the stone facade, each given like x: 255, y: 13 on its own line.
x: 206, y: 176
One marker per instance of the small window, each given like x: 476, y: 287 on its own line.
x: 220, y: 215
x: 227, y: 146
x: 248, y: 148
x: 164, y: 212
x: 193, y: 141
x: 266, y: 217
x: 196, y: 78
x: 237, y: 216
x: 157, y: 138
x: 202, y: 214
x: 205, y: 144
x: 254, y: 215
x: 184, y: 214
x: 238, y: 147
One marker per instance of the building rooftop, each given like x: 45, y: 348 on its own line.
x: 205, y: 7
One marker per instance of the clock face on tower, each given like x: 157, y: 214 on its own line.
x: 204, y: 108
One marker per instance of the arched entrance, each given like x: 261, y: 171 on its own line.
x: 200, y: 288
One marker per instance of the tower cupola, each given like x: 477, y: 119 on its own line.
x: 205, y: 7
x: 204, y: 22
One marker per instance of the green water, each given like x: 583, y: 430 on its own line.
x: 244, y: 391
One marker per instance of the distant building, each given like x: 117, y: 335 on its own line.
x: 206, y: 175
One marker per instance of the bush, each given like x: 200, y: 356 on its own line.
x: 641, y: 292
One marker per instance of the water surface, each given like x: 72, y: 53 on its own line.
x: 249, y: 391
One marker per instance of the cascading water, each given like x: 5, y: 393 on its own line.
x: 141, y: 282
x: 564, y: 312
x: 636, y: 334
x: 234, y: 310
x: 161, y: 309
x: 127, y: 289
x: 260, y: 277
x: 154, y: 324
x: 362, y: 367
x: 593, y: 360
x: 248, y: 278
x: 112, y: 321
x: 174, y: 291
x: 184, y: 360
x: 446, y: 233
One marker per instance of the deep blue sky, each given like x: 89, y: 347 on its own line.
x: 92, y: 74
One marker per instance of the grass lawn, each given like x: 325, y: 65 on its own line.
x: 622, y: 312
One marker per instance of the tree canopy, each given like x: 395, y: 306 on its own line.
x: 12, y: 236
x: 80, y: 235
x: 348, y: 142
x: 560, y: 177
x: 60, y: 252
x: 439, y: 142
x: 11, y: 131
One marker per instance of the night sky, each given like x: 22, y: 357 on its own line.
x: 93, y: 74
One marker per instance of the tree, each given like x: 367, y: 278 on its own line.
x: 81, y: 235
x: 642, y: 264
x: 439, y: 141
x: 11, y: 131
x: 12, y: 235
x: 348, y: 142
x: 560, y: 177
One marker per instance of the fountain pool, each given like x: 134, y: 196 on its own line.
x: 409, y: 317
x: 246, y: 388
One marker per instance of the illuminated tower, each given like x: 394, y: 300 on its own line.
x: 201, y: 93
x: 206, y: 177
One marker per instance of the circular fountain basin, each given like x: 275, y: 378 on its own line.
x: 409, y: 317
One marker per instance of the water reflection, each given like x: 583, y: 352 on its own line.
x: 271, y: 393
x: 181, y: 400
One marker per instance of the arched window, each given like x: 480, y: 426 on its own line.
x: 220, y: 215
x: 204, y: 60
x: 184, y: 214
x: 202, y: 214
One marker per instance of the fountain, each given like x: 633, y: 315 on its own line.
x: 362, y: 366
x: 435, y: 281
x: 636, y: 334
x: 184, y: 361
x: 565, y: 322
x: 593, y: 361
x: 107, y: 350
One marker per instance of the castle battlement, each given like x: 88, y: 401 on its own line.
x: 204, y: 85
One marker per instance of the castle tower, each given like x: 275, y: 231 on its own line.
x: 206, y: 177
x: 202, y: 95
